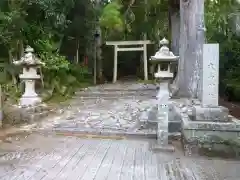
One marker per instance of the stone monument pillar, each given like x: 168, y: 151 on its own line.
x: 30, y: 63
x: 161, y: 58
x: 208, y: 108
x: 204, y: 123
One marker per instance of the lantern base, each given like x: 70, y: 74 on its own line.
x: 154, y: 146
x: 30, y: 101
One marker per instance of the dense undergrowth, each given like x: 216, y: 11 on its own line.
x: 230, y: 69
x: 222, y: 23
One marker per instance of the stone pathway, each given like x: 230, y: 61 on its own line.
x: 108, y: 110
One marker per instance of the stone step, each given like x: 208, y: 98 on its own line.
x: 120, y: 90
x: 114, y: 97
x: 123, y: 87
x: 114, y: 93
x: 107, y: 133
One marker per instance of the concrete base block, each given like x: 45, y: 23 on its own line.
x: 174, y: 126
x: 231, y: 126
x: 215, y: 114
x: 212, y: 128
x: 161, y: 148
x: 215, y: 135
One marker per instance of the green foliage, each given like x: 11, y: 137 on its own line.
x: 11, y: 92
x: 61, y: 77
x: 12, y: 23
x: 46, y: 25
x: 220, y: 18
x: 52, y: 60
x: 111, y: 18
x: 129, y: 20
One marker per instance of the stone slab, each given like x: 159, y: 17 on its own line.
x: 215, y: 114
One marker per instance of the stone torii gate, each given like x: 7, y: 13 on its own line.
x: 186, y: 23
x: 143, y: 47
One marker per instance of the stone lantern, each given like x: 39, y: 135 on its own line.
x: 30, y: 63
x: 163, y: 59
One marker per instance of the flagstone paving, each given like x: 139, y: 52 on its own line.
x: 108, y: 110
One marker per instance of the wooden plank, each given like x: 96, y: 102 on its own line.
x: 114, y: 43
x: 131, y: 49
x: 96, y: 162
x: 84, y: 165
x: 31, y: 167
x: 56, y: 168
x: 117, y: 164
x: 139, y: 170
x: 84, y: 160
x: 127, y: 171
x: 151, y: 170
x: 105, y: 165
x: 68, y: 170
x: 43, y: 166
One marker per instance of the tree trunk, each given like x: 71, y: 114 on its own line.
x: 191, y: 45
x: 99, y: 54
x: 175, y: 31
x: 11, y: 58
x: 21, y: 48
x: 99, y: 47
x: 77, y: 51
x: 94, y: 65
x: 174, y: 16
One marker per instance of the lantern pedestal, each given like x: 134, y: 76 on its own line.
x: 163, y: 57
x: 30, y: 64
x: 29, y: 97
x: 163, y: 97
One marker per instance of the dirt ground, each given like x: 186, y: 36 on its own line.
x: 234, y: 107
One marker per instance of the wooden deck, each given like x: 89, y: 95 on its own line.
x: 71, y: 158
x: 84, y: 159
